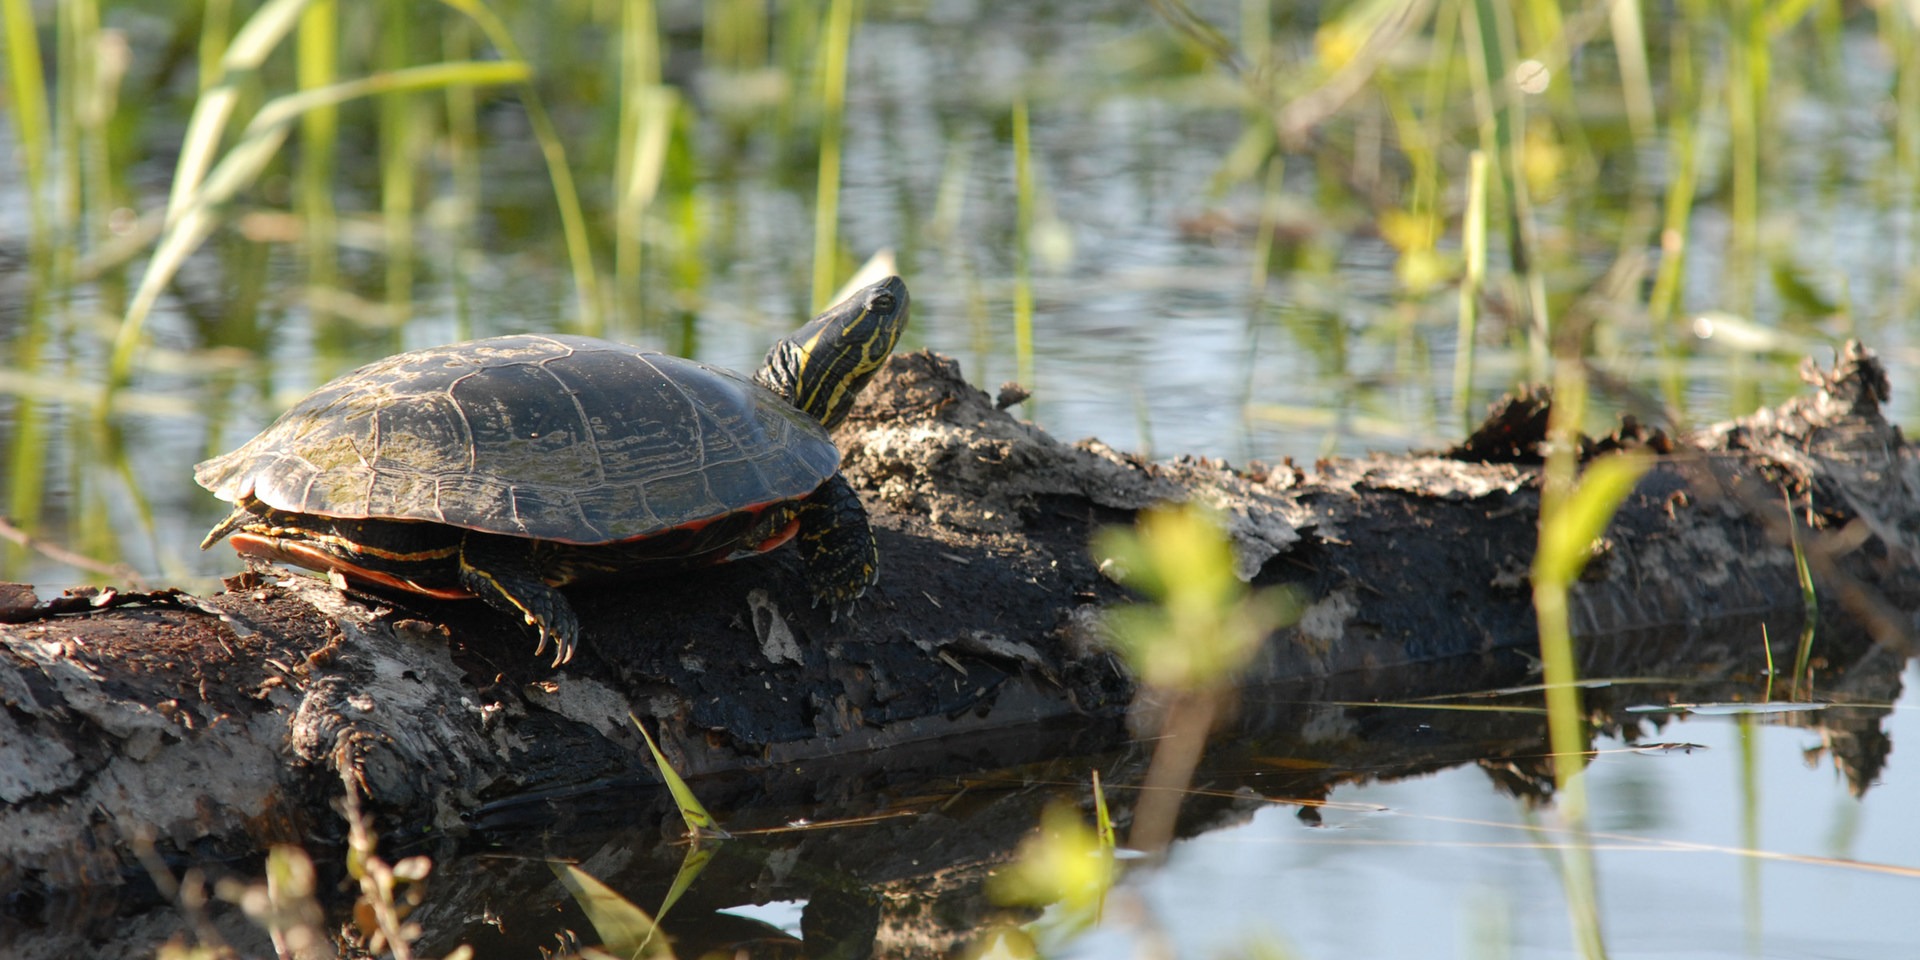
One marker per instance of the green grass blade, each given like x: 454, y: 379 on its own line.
x: 463, y: 158
x: 1567, y: 535
x: 398, y: 129
x: 645, y: 122
x: 317, y: 49
x: 1766, y: 647
x: 833, y: 100
x: 1102, y: 819
x: 1571, y: 517
x: 215, y: 17
x: 1473, y: 243
x: 691, y: 867
x: 624, y: 929
x: 28, y: 101
x: 1636, y: 84
x: 1023, y: 246
x: 1803, y: 651
x: 242, y: 165
x: 573, y: 221
x: 257, y: 38
x: 699, y: 821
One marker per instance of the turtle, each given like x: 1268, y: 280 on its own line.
x: 506, y: 467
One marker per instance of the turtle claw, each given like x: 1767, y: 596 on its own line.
x: 839, y: 602
x: 563, y: 640
x: 562, y: 647
x: 499, y: 571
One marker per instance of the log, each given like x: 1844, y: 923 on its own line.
x: 214, y: 727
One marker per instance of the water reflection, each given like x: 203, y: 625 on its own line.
x: 891, y: 859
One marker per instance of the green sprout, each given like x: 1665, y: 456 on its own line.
x: 1198, y: 631
x: 1062, y: 863
x: 1202, y: 624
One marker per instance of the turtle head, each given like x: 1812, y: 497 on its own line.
x: 823, y: 365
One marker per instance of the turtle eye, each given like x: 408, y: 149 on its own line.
x: 884, y: 302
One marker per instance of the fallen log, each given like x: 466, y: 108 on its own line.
x: 211, y: 728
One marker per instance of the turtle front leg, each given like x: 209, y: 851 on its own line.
x: 837, y: 545
x: 500, y: 571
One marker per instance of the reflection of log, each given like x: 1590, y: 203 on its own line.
x: 217, y: 736
x: 895, y: 860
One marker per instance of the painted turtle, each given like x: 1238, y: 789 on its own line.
x: 503, y: 468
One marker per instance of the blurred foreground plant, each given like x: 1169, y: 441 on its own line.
x: 1066, y: 865
x: 1575, y: 509
x: 1187, y: 645
x: 287, y: 906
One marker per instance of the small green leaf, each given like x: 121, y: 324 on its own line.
x: 1566, y: 538
x: 1102, y: 821
x: 1062, y: 863
x: 624, y: 929
x: 1797, y: 293
x: 695, y: 861
x: 1203, y: 624
x: 699, y: 821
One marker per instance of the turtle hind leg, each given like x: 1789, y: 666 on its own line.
x: 500, y: 571
x: 837, y: 545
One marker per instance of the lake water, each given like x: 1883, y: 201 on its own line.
x: 1149, y: 331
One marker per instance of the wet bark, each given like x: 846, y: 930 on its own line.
x: 212, y: 727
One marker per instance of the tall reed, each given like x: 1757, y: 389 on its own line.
x: 1574, y: 511
x: 1023, y: 245
x: 834, y: 45
x: 400, y: 133
x: 28, y: 107
x: 1473, y: 244
x: 317, y: 67
x: 647, y: 109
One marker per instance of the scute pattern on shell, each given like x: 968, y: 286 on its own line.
x: 550, y: 437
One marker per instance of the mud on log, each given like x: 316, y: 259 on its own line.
x: 214, y: 727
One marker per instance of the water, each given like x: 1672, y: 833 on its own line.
x: 1443, y: 866
x: 1150, y: 334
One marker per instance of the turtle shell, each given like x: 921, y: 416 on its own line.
x: 548, y: 437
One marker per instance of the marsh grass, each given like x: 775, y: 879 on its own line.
x: 1574, y: 513
x: 1023, y: 245
x: 1384, y: 87
x: 835, y: 42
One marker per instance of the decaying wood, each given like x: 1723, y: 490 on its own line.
x: 217, y: 735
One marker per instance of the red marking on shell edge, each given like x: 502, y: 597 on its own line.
x: 786, y: 533
x: 312, y: 558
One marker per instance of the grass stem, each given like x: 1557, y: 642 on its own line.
x: 834, y: 46
x: 1023, y: 245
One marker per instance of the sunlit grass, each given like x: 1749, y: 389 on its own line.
x: 624, y: 929
x: 700, y: 823
x: 27, y: 109
x: 1023, y: 245
x: 1473, y: 242
x: 647, y: 110
x: 317, y: 49
x: 1574, y: 513
x: 835, y: 41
